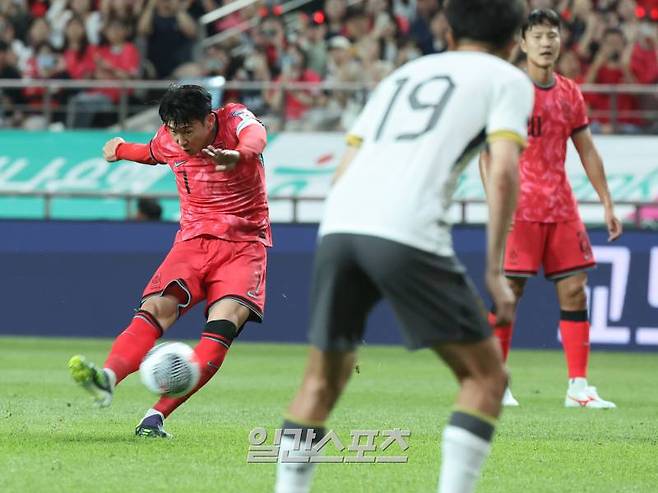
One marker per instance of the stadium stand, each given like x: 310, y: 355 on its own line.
x: 300, y: 64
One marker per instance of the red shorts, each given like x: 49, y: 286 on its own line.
x: 561, y: 248
x: 208, y: 268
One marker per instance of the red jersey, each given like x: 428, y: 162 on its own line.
x: 546, y: 195
x: 229, y: 205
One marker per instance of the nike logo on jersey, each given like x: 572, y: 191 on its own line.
x: 178, y: 163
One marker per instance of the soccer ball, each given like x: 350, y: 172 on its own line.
x: 171, y: 369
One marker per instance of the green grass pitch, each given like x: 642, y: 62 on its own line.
x: 51, y: 440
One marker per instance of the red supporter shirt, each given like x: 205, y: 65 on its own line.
x: 125, y: 58
x: 80, y: 66
x: 546, y: 195
x: 228, y: 205
x: 294, y: 108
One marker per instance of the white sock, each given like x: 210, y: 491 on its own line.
x: 463, y: 454
x: 112, y: 377
x: 152, y: 412
x: 577, y: 384
x: 293, y: 477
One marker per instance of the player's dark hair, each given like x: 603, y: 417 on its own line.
x: 494, y: 22
x: 541, y: 17
x: 182, y: 105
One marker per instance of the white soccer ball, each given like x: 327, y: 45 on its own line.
x: 171, y: 369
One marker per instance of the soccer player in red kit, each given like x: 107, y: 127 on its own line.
x: 547, y: 229
x: 219, y: 254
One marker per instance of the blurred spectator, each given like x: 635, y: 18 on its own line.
x: 45, y: 63
x: 629, y: 22
x: 439, y: 27
x: 115, y: 59
x: 296, y: 102
x: 357, y: 24
x: 148, y: 210
x: 335, y: 11
x: 577, y: 19
x: 386, y: 32
x: 569, y: 66
x: 255, y: 68
x: 127, y: 11
x: 18, y: 53
x: 342, y: 66
x: 61, y: 11
x: 644, y: 58
x: 420, y: 27
x: 316, y: 47
x: 390, y: 8
x: 78, y: 53
x: 407, y: 51
x: 339, y: 106
x: 611, y: 65
x: 38, y: 34
x: 15, y: 11
x: 10, y: 115
x: 170, y: 32
x: 270, y: 37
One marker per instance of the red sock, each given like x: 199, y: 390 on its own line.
x: 574, y: 330
x: 210, y: 351
x: 503, y: 333
x: 132, y: 344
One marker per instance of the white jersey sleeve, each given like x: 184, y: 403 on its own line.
x: 511, y: 107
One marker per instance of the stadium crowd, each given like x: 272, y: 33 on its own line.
x: 336, y: 41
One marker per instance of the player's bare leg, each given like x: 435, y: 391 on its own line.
x: 156, y: 315
x: 467, y: 437
x: 325, y: 378
x: 504, y: 332
x: 225, y: 317
x: 574, y: 331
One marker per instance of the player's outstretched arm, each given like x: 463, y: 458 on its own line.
x: 593, y: 165
x: 117, y: 149
x: 502, y: 190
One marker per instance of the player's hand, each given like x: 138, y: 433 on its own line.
x: 615, y: 228
x: 225, y: 159
x: 502, y: 296
x: 110, y: 149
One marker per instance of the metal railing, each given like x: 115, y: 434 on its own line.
x: 125, y: 106
x: 295, y: 201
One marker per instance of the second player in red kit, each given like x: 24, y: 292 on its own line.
x: 547, y: 231
x: 219, y: 255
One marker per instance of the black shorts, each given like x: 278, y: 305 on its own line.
x: 433, y: 299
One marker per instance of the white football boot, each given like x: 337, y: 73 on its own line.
x: 579, y: 394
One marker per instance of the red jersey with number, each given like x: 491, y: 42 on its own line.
x: 231, y: 205
x: 546, y: 194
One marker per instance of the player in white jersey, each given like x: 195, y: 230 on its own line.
x: 385, y: 234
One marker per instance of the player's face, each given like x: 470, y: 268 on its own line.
x: 192, y: 136
x: 542, y: 45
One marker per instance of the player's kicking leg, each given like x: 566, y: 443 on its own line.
x: 574, y: 331
x: 224, y: 319
x: 128, y: 350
